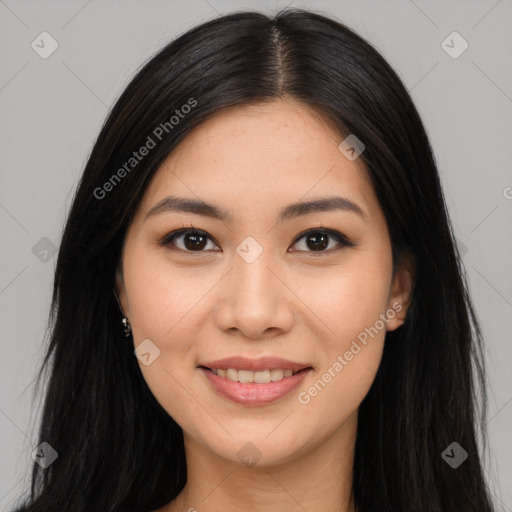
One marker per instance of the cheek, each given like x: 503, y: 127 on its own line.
x: 350, y: 357
x: 349, y: 304
x: 164, y: 304
x: 164, y: 297
x: 347, y: 300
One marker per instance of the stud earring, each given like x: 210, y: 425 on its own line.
x: 127, y: 327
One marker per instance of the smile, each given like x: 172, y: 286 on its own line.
x: 254, y: 382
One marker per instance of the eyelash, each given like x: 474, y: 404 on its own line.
x: 339, y: 237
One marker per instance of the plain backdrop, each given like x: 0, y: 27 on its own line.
x: 52, y: 110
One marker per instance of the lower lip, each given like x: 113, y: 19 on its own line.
x: 253, y: 393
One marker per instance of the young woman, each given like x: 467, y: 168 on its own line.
x: 258, y: 301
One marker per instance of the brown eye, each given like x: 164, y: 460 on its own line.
x: 192, y: 240
x: 317, y: 241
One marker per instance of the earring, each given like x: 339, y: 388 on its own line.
x: 127, y: 327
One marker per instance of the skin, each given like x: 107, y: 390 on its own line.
x: 289, y: 303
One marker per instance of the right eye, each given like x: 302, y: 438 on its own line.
x: 191, y: 239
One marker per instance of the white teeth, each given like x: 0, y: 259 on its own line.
x: 247, y: 376
x: 276, y: 375
x: 232, y: 374
x: 262, y: 377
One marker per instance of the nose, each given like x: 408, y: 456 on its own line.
x: 256, y: 301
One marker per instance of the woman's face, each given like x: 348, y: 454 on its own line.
x: 252, y: 287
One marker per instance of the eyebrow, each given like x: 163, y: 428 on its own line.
x: 293, y: 210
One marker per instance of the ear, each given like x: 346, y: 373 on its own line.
x: 401, y: 291
x: 120, y: 292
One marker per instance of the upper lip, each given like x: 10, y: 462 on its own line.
x: 259, y: 364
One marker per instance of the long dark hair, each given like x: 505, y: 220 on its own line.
x: 117, y: 447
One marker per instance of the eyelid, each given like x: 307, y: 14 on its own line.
x: 339, y: 237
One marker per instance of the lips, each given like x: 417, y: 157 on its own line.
x: 254, y: 382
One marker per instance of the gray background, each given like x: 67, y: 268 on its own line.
x: 52, y: 110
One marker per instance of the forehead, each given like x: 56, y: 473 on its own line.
x: 260, y: 131
x: 260, y: 155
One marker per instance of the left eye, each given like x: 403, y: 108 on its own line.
x: 318, y: 240
x: 195, y: 240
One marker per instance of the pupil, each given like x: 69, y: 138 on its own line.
x: 322, y: 245
x: 197, y: 240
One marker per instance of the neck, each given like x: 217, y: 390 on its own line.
x: 318, y: 480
